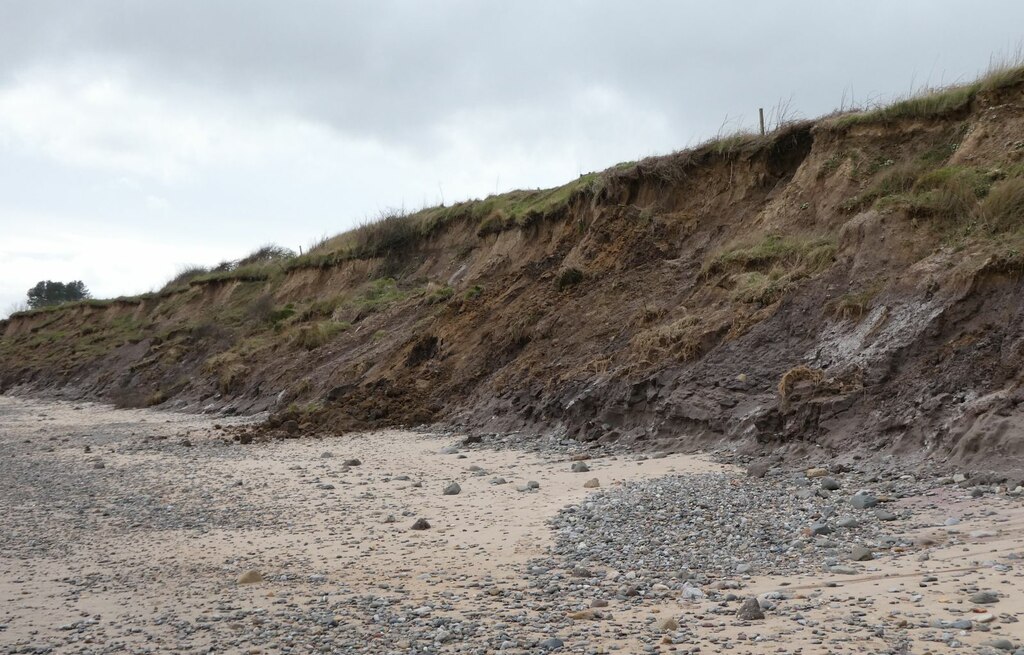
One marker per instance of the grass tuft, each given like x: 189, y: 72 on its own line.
x: 798, y: 375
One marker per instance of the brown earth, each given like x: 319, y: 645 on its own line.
x: 828, y: 290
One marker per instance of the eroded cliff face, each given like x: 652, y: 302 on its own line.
x: 845, y: 286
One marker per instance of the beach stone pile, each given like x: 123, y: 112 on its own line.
x: 726, y: 524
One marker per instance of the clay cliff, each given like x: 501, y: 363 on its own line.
x: 848, y: 286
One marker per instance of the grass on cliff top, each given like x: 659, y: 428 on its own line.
x: 937, y: 102
x: 396, y: 230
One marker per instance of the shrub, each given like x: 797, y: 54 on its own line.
x: 265, y: 254
x: 379, y: 294
x: 1003, y: 207
x: 570, y: 277
x: 791, y: 255
x: 228, y: 368
x: 757, y: 287
x: 680, y: 338
x: 853, y: 305
x: 473, y: 292
x: 311, y: 337
x: 795, y: 376
x: 440, y: 295
x: 184, y: 276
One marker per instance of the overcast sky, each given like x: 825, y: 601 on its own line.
x: 138, y: 137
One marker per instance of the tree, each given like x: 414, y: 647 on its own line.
x: 46, y: 293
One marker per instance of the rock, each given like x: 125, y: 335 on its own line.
x: 830, y: 484
x: 585, y: 615
x: 420, y: 524
x: 453, y: 489
x: 750, y: 610
x: 959, y: 477
x: 863, y: 501
x: 816, y: 472
x: 186, y: 443
x: 245, y: 439
x: 848, y: 522
x: 352, y: 462
x: 291, y: 427
x: 759, y: 469
x: 99, y: 465
x: 693, y: 593
x: 250, y: 577
x: 598, y: 603
x: 819, y: 528
x: 472, y: 439
x: 592, y: 483
x: 984, y: 598
x: 580, y: 467
x: 843, y: 570
x: 884, y: 515
x: 861, y: 554
x: 999, y: 644
x: 499, y: 480
x: 554, y: 643
x: 326, y: 454
x: 668, y: 624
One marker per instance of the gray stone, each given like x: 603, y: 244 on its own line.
x: 453, y: 489
x: 421, y: 524
x: 554, y: 643
x: 863, y: 501
x: 750, y: 610
x: 830, y: 484
x: 999, y: 644
x: 861, y: 554
x: 580, y: 467
x: 984, y: 598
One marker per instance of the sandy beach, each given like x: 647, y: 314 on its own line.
x: 130, y: 530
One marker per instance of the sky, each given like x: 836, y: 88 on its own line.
x: 137, y: 138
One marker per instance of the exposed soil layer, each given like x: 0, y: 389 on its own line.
x: 838, y: 288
